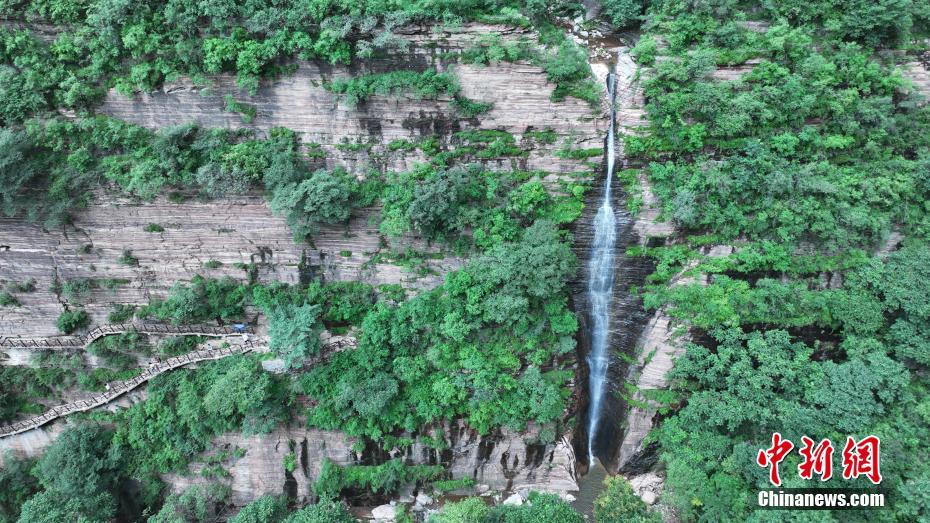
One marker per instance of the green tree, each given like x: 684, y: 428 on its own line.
x: 294, y: 332
x: 618, y: 504
x: 323, y: 198
x: 79, y: 473
x: 266, y: 509
x: 623, y: 13
x: 54, y: 507
x: 195, y: 504
x: 16, y: 486
x: 323, y: 512
x: 80, y: 463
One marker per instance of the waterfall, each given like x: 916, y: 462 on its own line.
x: 601, y: 284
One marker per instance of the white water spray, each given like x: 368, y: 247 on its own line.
x: 601, y: 284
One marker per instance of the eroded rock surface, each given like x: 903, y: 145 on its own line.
x: 239, y: 231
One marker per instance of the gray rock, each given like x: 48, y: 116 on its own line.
x: 384, y: 513
x: 514, y: 499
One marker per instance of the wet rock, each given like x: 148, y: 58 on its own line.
x: 423, y: 500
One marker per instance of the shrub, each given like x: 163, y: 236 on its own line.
x: 384, y: 478
x: 119, y: 351
x: 266, y: 509
x: 623, y: 13
x: 121, y: 313
x: 126, y: 258
x: 72, y: 320
x: 246, y: 112
x: 425, y: 84
x: 448, y: 485
x: 8, y: 300
x: 233, y: 393
x: 26, y: 286
x: 202, y: 300
x: 324, y: 197
x: 568, y: 68
x: 470, y: 108
x: 323, y: 512
x: 618, y: 504
x: 78, y: 288
x: 153, y: 227
x: 294, y: 332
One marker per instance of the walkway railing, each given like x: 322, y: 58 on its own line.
x: 117, y: 389
x: 78, y: 342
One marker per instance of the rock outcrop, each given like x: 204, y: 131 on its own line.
x: 239, y: 231
x: 503, y: 461
x: 237, y: 236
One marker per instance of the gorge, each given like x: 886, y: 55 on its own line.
x: 457, y: 262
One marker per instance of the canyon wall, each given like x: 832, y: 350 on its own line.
x: 239, y: 231
x: 238, y: 236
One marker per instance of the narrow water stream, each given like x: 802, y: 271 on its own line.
x: 601, y: 284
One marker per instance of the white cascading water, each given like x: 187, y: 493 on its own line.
x: 601, y: 284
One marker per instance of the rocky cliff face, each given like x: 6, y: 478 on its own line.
x: 502, y: 461
x: 298, y: 101
x: 242, y: 235
x: 240, y: 231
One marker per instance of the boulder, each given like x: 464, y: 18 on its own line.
x: 384, y: 513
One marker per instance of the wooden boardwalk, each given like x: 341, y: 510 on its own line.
x: 81, y: 342
x: 116, y: 389
x: 119, y: 388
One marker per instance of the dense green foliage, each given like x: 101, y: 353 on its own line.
x: 565, y: 63
x: 540, y: 508
x: 54, y: 163
x: 460, y: 349
x: 804, y: 164
x: 72, y: 320
x: 323, y: 512
x: 426, y: 84
x: 186, y: 409
x: 442, y: 203
x: 196, y: 504
x: 108, y: 44
x: 487, y: 345
x: 385, y: 478
x: 308, y: 201
x: 79, y: 474
x: 17, y: 485
x: 119, y: 351
x: 203, y: 300
x: 619, y: 504
x: 266, y: 509
x: 623, y: 13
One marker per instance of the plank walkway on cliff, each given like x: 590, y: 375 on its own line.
x: 81, y: 342
x: 116, y: 389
